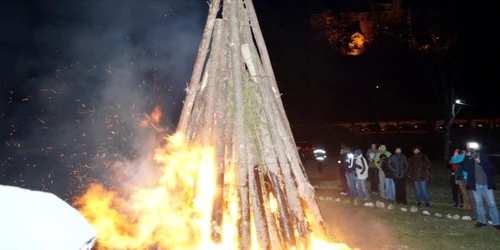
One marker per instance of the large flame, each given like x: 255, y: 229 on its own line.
x: 176, y: 212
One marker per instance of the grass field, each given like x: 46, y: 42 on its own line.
x: 375, y: 228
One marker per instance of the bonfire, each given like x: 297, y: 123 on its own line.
x: 230, y: 177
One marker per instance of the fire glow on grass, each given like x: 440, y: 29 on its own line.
x: 176, y: 213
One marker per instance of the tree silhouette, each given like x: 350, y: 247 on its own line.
x: 439, y: 50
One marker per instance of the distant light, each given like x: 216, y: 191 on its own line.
x: 480, y: 125
x: 320, y: 158
x: 319, y: 151
x: 416, y: 126
x: 377, y: 87
x: 461, y: 125
x: 472, y: 145
x: 339, y: 162
x: 458, y: 101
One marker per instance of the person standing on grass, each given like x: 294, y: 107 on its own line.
x: 344, y: 150
x: 381, y: 176
x: 461, y: 180
x: 418, y: 172
x: 362, y: 174
x: 372, y: 170
x: 350, y: 174
x: 398, y: 164
x: 390, y: 191
x: 457, y: 196
x: 480, y: 179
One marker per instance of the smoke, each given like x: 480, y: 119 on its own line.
x: 92, y: 71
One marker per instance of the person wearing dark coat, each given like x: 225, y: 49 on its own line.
x: 418, y: 172
x: 480, y: 179
x: 390, y: 191
x: 398, y: 164
x: 344, y: 150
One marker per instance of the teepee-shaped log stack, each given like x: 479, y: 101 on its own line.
x: 234, y: 105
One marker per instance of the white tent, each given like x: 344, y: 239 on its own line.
x: 34, y: 220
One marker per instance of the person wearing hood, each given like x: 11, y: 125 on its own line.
x: 382, y: 150
x: 398, y: 164
x: 481, y: 181
x: 361, y: 174
x: 419, y: 173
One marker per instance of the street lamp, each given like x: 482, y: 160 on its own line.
x: 454, y: 111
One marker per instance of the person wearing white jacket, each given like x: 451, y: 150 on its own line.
x: 361, y: 174
x: 35, y: 220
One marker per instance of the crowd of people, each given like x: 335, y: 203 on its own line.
x: 382, y: 173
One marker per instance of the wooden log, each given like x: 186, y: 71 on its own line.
x: 215, y: 93
x: 284, y: 219
x: 239, y: 125
x: 258, y: 208
x: 212, y: 84
x: 198, y: 67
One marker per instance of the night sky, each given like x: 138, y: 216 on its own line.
x: 77, y: 75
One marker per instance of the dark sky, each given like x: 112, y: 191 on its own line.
x: 77, y: 75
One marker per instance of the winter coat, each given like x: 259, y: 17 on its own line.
x: 457, y: 167
x: 470, y: 166
x: 349, y: 164
x: 398, y: 164
x: 419, y: 167
x: 384, y: 166
x: 455, y: 161
x: 370, y: 157
x: 377, y: 158
x: 361, y: 167
x: 460, y: 173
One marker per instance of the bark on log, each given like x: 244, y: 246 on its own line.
x: 236, y: 107
x: 216, y: 99
x: 198, y: 67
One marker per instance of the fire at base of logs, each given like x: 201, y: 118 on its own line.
x: 231, y: 176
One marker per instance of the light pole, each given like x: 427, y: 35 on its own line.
x: 455, y: 111
x: 449, y: 125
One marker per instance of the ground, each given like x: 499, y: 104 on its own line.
x: 375, y: 228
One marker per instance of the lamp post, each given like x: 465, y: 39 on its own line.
x: 447, y: 131
x: 455, y: 111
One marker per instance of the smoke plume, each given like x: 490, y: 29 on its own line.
x: 81, y: 85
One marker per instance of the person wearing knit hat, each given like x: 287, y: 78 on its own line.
x: 381, y: 184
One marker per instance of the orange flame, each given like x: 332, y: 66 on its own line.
x: 176, y: 212
x: 153, y: 120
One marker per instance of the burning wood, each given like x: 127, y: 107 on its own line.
x: 231, y: 177
x: 233, y: 93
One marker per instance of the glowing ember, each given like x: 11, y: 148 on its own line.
x: 176, y: 212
